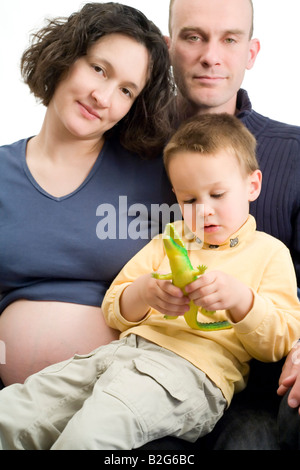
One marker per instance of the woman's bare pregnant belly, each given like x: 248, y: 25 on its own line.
x: 37, y: 334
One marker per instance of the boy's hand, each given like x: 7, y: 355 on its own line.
x: 146, y: 292
x: 217, y: 290
x: 165, y: 297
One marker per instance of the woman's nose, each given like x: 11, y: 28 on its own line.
x: 103, y: 96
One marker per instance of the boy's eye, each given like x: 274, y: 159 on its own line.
x: 190, y: 201
x: 217, y: 195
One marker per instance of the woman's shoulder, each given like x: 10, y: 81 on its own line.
x: 16, y: 149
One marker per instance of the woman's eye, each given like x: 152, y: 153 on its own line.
x: 126, y: 92
x: 98, y: 69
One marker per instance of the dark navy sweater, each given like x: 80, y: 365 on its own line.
x: 277, y: 210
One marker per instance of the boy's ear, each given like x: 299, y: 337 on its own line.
x: 255, y: 180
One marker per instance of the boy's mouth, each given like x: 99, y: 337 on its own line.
x: 211, y: 228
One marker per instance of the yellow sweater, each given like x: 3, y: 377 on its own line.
x: 268, y: 331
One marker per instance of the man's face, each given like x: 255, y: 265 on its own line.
x: 210, y: 49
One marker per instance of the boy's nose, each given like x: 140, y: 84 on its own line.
x: 207, y: 210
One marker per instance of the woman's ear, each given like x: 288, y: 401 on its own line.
x: 255, y: 180
x: 168, y: 41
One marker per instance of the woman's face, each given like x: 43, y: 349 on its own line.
x: 100, y: 87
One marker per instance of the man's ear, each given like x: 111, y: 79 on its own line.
x: 253, y: 52
x: 255, y: 180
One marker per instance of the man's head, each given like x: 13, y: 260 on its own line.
x: 170, y: 17
x: 211, y: 47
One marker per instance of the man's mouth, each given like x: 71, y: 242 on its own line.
x: 209, y: 79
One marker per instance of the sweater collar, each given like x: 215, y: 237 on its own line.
x: 255, y: 122
x: 243, y: 104
x: 236, y: 239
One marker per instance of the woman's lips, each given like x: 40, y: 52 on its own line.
x: 88, y: 112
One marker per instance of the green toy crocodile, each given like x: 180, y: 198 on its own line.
x: 182, y: 274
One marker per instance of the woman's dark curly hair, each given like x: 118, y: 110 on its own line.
x: 58, y: 45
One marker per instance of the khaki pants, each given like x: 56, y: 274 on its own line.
x: 118, y: 397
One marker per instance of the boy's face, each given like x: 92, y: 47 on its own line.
x: 213, y: 193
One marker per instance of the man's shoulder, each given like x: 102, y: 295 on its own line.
x: 263, y: 126
x: 275, y: 126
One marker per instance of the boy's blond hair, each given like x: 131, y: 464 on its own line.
x: 211, y: 133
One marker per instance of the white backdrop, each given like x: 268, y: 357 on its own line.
x: 273, y: 83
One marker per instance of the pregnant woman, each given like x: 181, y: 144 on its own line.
x: 71, y: 195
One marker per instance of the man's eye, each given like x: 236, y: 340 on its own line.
x: 230, y: 41
x: 194, y: 38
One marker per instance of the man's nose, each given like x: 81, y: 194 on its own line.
x: 210, y: 54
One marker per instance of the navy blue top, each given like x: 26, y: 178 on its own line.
x: 277, y: 210
x: 71, y: 248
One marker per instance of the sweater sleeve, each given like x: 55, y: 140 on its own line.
x: 296, y: 244
x: 295, y: 211
x: 277, y: 210
x: 145, y: 261
x: 273, y: 324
